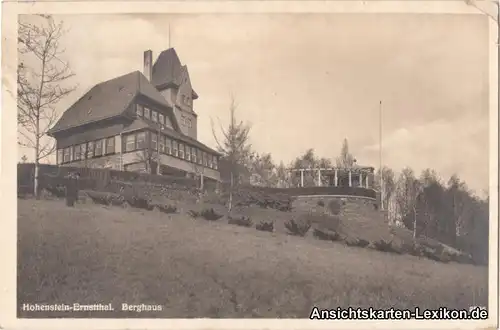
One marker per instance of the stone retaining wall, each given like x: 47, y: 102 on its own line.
x: 310, y: 203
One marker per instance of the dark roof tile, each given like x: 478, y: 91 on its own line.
x: 167, y: 70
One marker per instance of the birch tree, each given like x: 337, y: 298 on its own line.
x: 42, y: 82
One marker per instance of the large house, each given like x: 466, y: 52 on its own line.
x: 137, y: 122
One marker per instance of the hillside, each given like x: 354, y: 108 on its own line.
x: 196, y: 268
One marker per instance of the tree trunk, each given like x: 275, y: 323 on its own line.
x: 37, y: 157
x: 414, y: 224
x: 230, y: 204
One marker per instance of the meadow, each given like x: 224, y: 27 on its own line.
x: 197, y: 268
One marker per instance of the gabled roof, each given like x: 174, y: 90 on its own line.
x: 167, y: 70
x: 108, y: 99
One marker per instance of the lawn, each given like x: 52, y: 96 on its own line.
x: 195, y: 268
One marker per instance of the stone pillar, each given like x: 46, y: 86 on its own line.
x: 366, y: 181
x: 361, y: 179
x: 350, y: 178
x: 319, y: 177
x: 336, y: 178
x: 302, y: 178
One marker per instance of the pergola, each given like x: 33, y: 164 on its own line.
x: 361, y: 173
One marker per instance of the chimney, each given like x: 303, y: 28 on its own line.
x: 148, y: 64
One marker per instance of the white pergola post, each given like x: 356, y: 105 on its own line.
x: 302, y: 178
x: 350, y: 178
x: 336, y: 178
x: 366, y: 181
x: 361, y: 179
x: 319, y: 177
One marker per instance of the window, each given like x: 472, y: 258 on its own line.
x: 154, y: 141
x: 146, y: 112
x: 59, y: 159
x: 90, y: 151
x: 110, y: 145
x: 67, y: 155
x: 209, y: 157
x: 168, y: 146
x: 98, y: 148
x: 198, y: 156
x: 154, y: 116
x: 161, y: 118
x: 181, y: 150
x: 129, y: 143
x: 83, y: 150
x: 214, y: 162
x: 77, y: 152
x: 189, y: 123
x: 188, y: 153
x: 175, y: 150
x: 193, y: 154
x: 140, y: 142
x: 162, y: 144
x: 205, y: 159
x: 139, y: 110
x: 168, y: 123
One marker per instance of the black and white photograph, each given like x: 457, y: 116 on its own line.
x: 330, y: 163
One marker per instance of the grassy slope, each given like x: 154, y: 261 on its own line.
x: 94, y: 254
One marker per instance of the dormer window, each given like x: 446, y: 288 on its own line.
x: 154, y: 116
x: 146, y: 113
x: 139, y: 110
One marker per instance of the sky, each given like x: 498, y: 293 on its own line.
x: 310, y: 80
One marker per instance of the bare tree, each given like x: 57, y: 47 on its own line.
x: 407, y: 191
x: 389, y: 184
x: 42, y: 74
x: 484, y: 11
x: 149, y: 157
x: 235, y: 148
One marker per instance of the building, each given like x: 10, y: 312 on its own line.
x: 138, y: 122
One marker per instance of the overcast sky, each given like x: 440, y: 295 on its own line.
x: 311, y: 80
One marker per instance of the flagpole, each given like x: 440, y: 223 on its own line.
x: 169, y: 36
x: 380, y: 153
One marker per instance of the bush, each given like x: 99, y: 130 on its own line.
x: 334, y: 207
x: 325, y: 221
x: 240, y: 221
x: 56, y: 191
x: 194, y: 214
x: 413, y: 249
x: 139, y: 202
x: 326, y: 235
x: 265, y: 226
x: 385, y: 247
x: 210, y: 215
x: 98, y: 197
x: 168, y: 209
x: 321, y: 203
x: 115, y: 199
x: 298, y: 228
x: 357, y: 242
